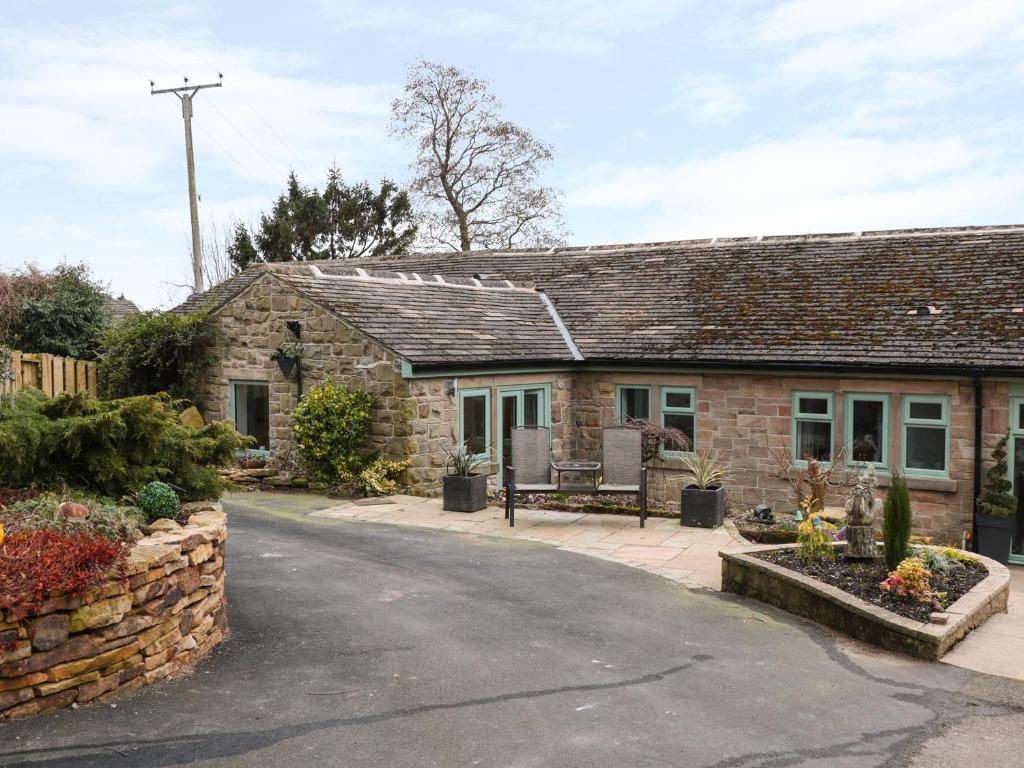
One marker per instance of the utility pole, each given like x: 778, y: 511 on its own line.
x: 186, y: 93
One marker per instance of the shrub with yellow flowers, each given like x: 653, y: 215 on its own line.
x: 814, y: 534
x: 332, y: 424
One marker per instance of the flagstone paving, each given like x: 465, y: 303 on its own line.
x: 687, y: 556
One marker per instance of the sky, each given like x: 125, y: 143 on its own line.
x: 671, y: 119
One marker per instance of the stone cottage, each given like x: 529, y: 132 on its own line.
x: 900, y: 348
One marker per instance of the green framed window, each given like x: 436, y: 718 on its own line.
x: 632, y: 401
x: 866, y: 420
x: 250, y: 410
x: 926, y: 435
x: 1015, y: 461
x: 812, y: 427
x: 679, y: 411
x: 475, y: 420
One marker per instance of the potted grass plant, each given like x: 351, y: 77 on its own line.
x: 996, y: 508
x: 702, y: 502
x: 464, y: 490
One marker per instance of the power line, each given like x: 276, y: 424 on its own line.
x: 245, y: 138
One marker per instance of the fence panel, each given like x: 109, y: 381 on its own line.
x: 52, y: 374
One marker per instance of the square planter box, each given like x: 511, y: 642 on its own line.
x: 464, y: 494
x: 995, y: 534
x: 702, y: 508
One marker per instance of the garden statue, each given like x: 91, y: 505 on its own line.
x: 861, y: 510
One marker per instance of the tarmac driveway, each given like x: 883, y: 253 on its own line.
x: 356, y: 644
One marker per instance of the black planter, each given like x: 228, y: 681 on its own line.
x: 287, y: 365
x: 995, y: 534
x: 702, y: 507
x: 464, y: 493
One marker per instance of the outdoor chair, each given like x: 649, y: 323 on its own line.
x: 531, y: 472
x: 622, y: 466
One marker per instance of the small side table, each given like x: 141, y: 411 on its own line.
x: 583, y: 467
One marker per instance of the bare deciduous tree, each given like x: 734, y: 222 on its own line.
x: 476, y: 175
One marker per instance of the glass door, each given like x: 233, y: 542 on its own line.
x: 1015, y: 449
x: 519, y: 406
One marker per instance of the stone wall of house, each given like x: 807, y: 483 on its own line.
x: 250, y: 327
x: 745, y: 416
x: 161, y: 616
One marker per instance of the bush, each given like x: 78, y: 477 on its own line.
x: 380, y: 478
x: 158, y: 500
x: 897, y: 522
x: 152, y: 352
x: 62, y: 312
x: 111, y: 447
x: 106, y: 518
x: 332, y: 424
x: 911, y: 578
x: 998, y: 499
x: 814, y: 535
x: 37, y: 564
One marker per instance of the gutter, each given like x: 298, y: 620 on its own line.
x: 979, y: 412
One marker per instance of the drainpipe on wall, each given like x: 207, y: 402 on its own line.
x: 979, y: 412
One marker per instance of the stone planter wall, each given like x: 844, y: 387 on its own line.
x: 166, y: 613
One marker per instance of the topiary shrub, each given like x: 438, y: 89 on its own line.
x: 158, y: 500
x: 111, y: 447
x: 897, y: 522
x: 332, y: 424
x: 998, y: 499
x: 156, y: 352
x: 380, y: 478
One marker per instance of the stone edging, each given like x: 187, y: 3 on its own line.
x: 162, y: 615
x: 746, y: 575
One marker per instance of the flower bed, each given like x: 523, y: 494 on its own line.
x: 155, y: 615
x: 862, y: 579
x: 753, y: 573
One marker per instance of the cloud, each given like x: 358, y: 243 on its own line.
x: 809, y: 182
x: 710, y: 99
x: 575, y: 27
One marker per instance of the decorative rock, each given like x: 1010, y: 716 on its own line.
x: 163, y: 524
x: 939, y: 618
x: 191, y: 417
x: 49, y: 631
x: 71, y: 510
x: 200, y: 554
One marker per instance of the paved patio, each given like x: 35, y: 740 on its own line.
x: 688, y: 556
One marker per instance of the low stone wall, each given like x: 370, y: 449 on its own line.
x: 744, y: 574
x: 163, y: 615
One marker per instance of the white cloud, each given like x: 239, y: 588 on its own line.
x: 710, y: 99
x: 577, y: 27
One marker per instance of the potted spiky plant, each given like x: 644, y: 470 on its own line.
x: 464, y: 490
x: 996, y: 508
x: 702, y: 502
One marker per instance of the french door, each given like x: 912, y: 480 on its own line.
x: 519, y: 406
x: 1015, y: 451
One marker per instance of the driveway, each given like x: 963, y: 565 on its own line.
x: 355, y: 644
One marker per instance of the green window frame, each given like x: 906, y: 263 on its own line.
x: 1016, y: 432
x: 883, y: 438
x: 804, y: 415
x: 233, y: 403
x: 621, y: 391
x: 476, y: 392
x: 672, y: 404
x: 917, y: 424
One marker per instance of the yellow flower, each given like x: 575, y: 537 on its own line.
x: 1, y: 533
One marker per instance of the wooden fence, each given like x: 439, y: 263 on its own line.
x: 53, y: 374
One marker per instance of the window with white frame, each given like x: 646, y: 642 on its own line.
x: 633, y: 402
x: 812, y: 426
x: 926, y: 435
x: 867, y: 430
x: 679, y: 411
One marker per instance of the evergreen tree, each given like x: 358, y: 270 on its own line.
x: 897, y: 522
x: 998, y: 499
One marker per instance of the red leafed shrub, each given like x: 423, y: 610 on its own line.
x: 46, y: 562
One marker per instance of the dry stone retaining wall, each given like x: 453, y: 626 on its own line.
x: 165, y: 613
